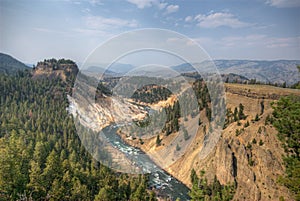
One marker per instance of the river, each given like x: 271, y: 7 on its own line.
x: 164, y: 183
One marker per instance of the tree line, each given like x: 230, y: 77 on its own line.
x: 203, y: 191
x: 286, y: 119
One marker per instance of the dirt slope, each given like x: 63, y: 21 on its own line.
x: 255, y: 168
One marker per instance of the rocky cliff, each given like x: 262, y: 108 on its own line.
x: 53, y: 68
x: 248, y: 155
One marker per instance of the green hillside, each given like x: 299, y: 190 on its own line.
x: 10, y: 65
x: 41, y: 155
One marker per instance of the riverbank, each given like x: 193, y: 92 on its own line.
x: 165, y: 184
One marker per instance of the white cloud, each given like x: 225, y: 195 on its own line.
x: 172, y: 9
x: 141, y: 4
x: 242, y: 41
x: 199, y: 17
x: 259, y: 41
x: 95, y: 2
x: 160, y: 4
x: 102, y: 23
x: 77, y: 2
x: 184, y: 42
x: 283, y: 42
x: 204, y: 41
x: 188, y: 19
x: 214, y: 20
x: 284, y: 3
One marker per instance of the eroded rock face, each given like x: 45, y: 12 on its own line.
x: 231, y: 167
x: 53, y: 68
x: 225, y: 171
x: 245, y: 177
x: 252, y: 166
x: 100, y: 114
x: 230, y: 163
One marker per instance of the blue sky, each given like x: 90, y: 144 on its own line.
x: 232, y: 29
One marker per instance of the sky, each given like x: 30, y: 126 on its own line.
x: 233, y: 29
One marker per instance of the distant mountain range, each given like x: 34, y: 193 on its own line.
x: 10, y: 65
x: 278, y: 71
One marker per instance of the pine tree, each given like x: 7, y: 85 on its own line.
x: 235, y: 114
x: 158, y: 141
x: 241, y: 114
x: 36, y: 184
x: 52, y: 170
x: 185, y: 134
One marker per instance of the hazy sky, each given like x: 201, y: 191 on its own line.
x: 226, y: 29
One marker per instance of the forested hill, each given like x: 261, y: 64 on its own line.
x: 41, y: 155
x: 65, y: 69
x: 10, y: 65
